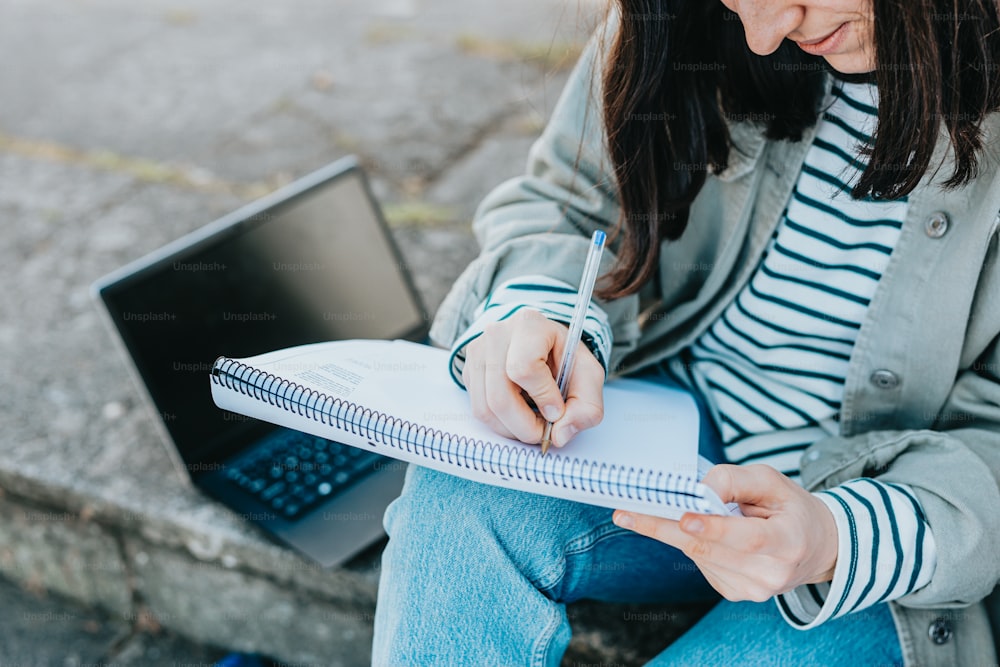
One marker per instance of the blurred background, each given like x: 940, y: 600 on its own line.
x: 124, y: 125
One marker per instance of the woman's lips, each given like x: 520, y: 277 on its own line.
x: 826, y: 45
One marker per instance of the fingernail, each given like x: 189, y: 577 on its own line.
x: 624, y: 521
x: 694, y: 526
x: 565, y: 434
x: 551, y: 412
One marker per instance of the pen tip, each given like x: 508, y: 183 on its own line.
x: 545, y: 446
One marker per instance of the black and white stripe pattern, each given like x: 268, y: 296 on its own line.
x: 885, y: 551
x: 774, y: 364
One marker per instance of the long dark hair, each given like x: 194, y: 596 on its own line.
x: 679, y: 70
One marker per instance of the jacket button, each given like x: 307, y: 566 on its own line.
x: 940, y: 631
x: 937, y: 225
x: 884, y: 379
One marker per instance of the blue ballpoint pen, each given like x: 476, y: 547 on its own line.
x: 590, y: 269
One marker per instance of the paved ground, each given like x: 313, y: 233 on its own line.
x: 124, y: 125
x: 39, y: 629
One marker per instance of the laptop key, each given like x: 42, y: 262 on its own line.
x: 273, y: 490
x: 298, y: 471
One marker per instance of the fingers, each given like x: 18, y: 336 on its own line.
x: 758, y: 485
x: 788, y: 541
x: 532, y: 343
x: 534, y: 346
x: 519, y: 354
x: 504, y: 399
x: 584, y: 400
x: 727, y: 532
x: 474, y: 378
x: 664, y: 530
x: 725, y: 567
x: 670, y: 532
x: 744, y: 534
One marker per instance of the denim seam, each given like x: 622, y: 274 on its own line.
x: 554, y: 575
x: 591, y: 538
x: 546, y: 637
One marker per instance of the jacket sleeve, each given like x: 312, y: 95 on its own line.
x: 952, y: 472
x: 536, y: 228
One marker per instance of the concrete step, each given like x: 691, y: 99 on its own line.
x: 41, y: 629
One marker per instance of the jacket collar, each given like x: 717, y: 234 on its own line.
x: 748, y: 143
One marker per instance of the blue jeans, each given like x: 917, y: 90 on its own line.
x: 480, y: 575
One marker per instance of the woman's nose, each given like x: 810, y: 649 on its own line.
x: 768, y: 22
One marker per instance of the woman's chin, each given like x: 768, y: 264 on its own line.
x: 850, y: 63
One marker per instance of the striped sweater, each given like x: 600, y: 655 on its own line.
x: 772, y: 367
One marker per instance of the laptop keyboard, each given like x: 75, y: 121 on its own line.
x: 294, y: 472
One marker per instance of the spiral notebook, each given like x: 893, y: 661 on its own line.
x: 396, y: 398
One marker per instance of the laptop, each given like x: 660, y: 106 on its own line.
x: 313, y: 261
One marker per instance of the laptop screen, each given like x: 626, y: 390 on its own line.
x: 317, y: 267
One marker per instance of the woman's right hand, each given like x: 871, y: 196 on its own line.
x: 522, y: 354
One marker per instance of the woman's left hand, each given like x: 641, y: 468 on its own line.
x: 786, y: 537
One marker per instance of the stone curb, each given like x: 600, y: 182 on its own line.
x: 245, y: 594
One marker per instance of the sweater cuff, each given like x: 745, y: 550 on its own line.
x: 552, y: 298
x: 885, y: 550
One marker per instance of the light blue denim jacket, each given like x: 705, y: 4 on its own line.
x: 932, y: 324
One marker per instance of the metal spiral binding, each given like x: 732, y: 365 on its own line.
x: 595, y: 477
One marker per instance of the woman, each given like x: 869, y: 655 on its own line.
x: 805, y: 195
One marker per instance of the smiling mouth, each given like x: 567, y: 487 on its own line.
x: 825, y: 45
x: 813, y: 42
